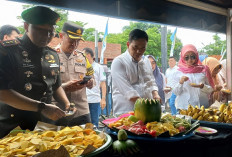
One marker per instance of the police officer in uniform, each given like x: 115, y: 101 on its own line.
x: 74, y: 66
x: 30, y: 74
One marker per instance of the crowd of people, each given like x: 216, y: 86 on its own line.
x: 41, y: 83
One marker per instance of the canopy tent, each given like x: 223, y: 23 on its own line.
x: 185, y: 13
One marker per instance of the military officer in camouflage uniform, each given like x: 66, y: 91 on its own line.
x: 30, y: 74
x: 73, y: 67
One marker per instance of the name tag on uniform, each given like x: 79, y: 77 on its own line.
x: 80, y: 64
x: 28, y: 65
x: 54, y: 65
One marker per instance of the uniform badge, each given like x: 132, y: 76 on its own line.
x: 25, y: 54
x: 79, y: 60
x: 28, y: 73
x: 47, y: 57
x: 81, y: 76
x: 28, y: 86
x: 79, y: 31
x: 51, y: 61
x: 26, y: 60
x: 51, y: 57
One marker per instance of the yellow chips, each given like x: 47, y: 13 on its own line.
x: 74, y: 139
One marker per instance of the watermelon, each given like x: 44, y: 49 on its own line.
x: 147, y: 110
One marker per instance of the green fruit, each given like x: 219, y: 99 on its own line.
x: 124, y: 146
x: 147, y: 110
x: 122, y: 135
x: 132, y: 146
x: 133, y: 118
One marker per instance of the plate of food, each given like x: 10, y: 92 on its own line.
x: 226, y: 91
x: 194, y: 84
x: 205, y: 130
x: 170, y: 128
x: 77, y: 141
x: 148, y: 138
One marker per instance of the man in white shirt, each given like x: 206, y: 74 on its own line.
x: 132, y: 75
x: 94, y: 95
x: 170, y: 83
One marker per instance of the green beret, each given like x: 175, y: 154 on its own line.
x: 40, y: 15
x: 73, y: 30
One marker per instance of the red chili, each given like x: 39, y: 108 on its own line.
x: 153, y: 133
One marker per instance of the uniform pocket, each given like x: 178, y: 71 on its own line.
x: 79, y: 69
x: 62, y: 68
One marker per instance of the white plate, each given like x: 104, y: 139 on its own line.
x: 194, y: 84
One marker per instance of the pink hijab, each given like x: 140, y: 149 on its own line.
x: 197, y: 67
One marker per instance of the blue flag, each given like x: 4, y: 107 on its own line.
x: 104, y: 43
x: 173, y: 39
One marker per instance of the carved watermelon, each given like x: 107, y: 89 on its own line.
x: 147, y: 110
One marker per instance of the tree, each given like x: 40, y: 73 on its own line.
x: 154, y: 43
x: 63, y: 18
x: 89, y: 33
x: 153, y: 31
x: 215, y: 47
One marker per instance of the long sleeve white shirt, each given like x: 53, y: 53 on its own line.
x: 130, y: 79
x: 185, y: 94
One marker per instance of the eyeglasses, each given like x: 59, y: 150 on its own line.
x: 193, y: 57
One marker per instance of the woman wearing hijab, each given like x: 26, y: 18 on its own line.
x: 215, y: 66
x: 191, y: 78
x: 159, y: 78
x: 222, y: 74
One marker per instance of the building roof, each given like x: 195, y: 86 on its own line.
x: 112, y: 50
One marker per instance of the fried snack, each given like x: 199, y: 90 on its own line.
x: 74, y: 139
x: 192, y: 84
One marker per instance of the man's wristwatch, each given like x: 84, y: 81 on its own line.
x: 41, y: 106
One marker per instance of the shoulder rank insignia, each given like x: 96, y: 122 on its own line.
x: 9, y: 42
x: 89, y: 68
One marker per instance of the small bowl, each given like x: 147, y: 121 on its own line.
x: 205, y: 131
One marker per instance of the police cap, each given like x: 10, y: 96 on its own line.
x: 40, y: 15
x: 73, y: 30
